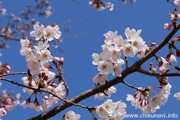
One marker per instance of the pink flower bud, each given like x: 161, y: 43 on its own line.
x: 45, y: 97
x: 39, y: 75
x: 61, y: 61
x: 54, y: 85
x: 43, y: 74
x: 8, y: 67
x: 46, y: 77
x: 11, y: 15
x: 167, y: 26
x: 57, y: 59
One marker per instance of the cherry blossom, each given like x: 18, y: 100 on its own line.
x: 39, y: 31
x: 71, y: 115
x: 104, y: 67
x: 110, y: 37
x: 107, y: 93
x: 129, y: 50
x: 167, y: 26
x: 177, y: 2
x: 132, y: 33
x: 2, y: 112
x: 52, y: 32
x: 100, y: 79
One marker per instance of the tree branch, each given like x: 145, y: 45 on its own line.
x: 157, y: 74
x: 62, y: 78
x: 131, y: 86
x: 22, y: 73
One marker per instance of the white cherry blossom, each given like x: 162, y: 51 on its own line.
x: 71, y: 115
x: 129, y: 50
x: 100, y: 79
x: 107, y: 93
x: 104, y: 67
x: 110, y: 36
x: 132, y: 33
x: 38, y: 32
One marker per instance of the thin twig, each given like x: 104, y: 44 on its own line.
x: 158, y: 74
x: 70, y: 20
x: 73, y: 36
x: 126, y: 62
x: 131, y: 86
x: 22, y: 73
x: 76, y: 1
x: 62, y: 78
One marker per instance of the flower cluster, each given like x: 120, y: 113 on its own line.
x: 38, y: 63
x: 141, y: 99
x: 48, y: 101
x: 109, y: 60
x: 8, y: 102
x: 48, y: 33
x: 111, y: 110
x: 4, y: 68
x: 99, y: 5
x: 71, y: 115
x: 173, y: 16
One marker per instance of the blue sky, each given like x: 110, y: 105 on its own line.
x: 149, y: 15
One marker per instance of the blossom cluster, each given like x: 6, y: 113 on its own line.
x: 111, y: 110
x: 38, y: 63
x: 48, y: 33
x: 99, y: 5
x: 141, y: 99
x: 110, y: 59
x: 4, y: 68
x: 173, y: 16
x: 8, y: 102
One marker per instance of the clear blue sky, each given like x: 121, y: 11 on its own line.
x: 148, y: 15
